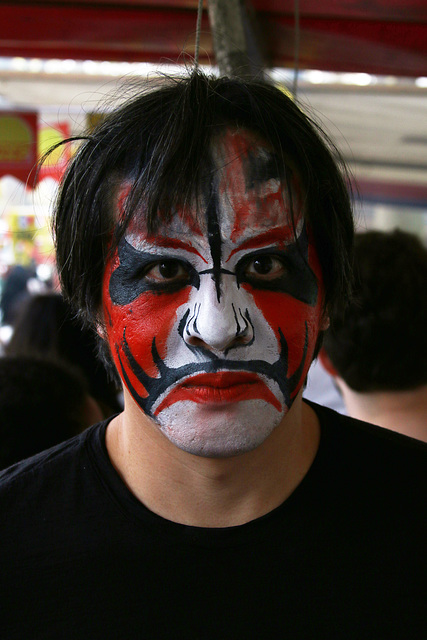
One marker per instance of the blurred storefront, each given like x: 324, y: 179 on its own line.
x: 28, y: 189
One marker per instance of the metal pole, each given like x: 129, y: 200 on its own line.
x: 236, y: 50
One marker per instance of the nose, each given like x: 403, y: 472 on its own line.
x: 218, y: 325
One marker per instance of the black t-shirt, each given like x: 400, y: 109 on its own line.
x: 81, y: 558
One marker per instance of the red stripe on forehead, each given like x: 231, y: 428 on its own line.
x: 281, y: 236
x: 238, y: 143
x: 121, y: 198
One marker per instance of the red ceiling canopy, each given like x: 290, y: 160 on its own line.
x: 376, y: 36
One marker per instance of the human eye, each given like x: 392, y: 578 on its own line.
x: 167, y: 271
x: 264, y: 268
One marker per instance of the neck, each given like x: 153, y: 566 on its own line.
x: 211, y: 492
x: 402, y: 411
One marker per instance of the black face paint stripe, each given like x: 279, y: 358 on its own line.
x: 225, y: 271
x: 299, y: 280
x: 155, y: 387
x: 238, y: 329
x: 214, y: 239
x: 247, y: 323
x: 196, y: 315
x: 126, y: 282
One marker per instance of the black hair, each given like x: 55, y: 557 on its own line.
x: 380, y: 342
x: 159, y: 141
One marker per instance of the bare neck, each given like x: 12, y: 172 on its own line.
x: 211, y: 492
x: 401, y: 411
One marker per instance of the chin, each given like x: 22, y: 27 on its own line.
x: 219, y: 431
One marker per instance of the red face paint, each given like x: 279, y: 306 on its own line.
x: 213, y: 331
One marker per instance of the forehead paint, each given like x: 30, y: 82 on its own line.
x: 280, y: 236
x: 168, y: 243
x: 253, y: 185
x: 250, y: 170
x: 179, y: 222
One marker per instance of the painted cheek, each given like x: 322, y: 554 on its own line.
x: 150, y: 316
x: 282, y: 311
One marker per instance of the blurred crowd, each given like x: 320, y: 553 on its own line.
x: 53, y: 384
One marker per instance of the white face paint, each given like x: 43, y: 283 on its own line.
x: 213, y: 324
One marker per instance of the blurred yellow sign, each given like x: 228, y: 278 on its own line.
x: 18, y: 144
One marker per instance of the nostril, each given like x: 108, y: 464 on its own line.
x: 243, y: 339
x: 194, y: 341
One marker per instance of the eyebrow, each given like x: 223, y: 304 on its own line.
x: 174, y: 243
x: 282, y: 235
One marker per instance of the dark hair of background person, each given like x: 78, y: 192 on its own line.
x: 42, y: 403
x: 15, y: 292
x: 380, y: 342
x: 159, y: 142
x: 47, y: 328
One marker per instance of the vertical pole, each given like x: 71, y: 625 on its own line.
x: 236, y: 50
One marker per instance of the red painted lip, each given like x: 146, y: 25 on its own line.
x: 223, y: 387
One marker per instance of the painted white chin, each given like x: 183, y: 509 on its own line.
x: 219, y: 431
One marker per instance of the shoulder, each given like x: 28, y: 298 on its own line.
x: 40, y: 471
x: 349, y: 430
x: 372, y: 456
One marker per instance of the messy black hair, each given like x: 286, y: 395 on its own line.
x: 159, y: 141
x: 380, y: 342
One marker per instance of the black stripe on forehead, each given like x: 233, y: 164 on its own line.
x: 214, y: 238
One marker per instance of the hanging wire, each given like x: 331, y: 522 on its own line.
x: 296, y: 48
x: 198, y: 26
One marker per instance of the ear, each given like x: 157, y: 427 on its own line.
x: 326, y: 363
x: 100, y: 328
x: 324, y: 322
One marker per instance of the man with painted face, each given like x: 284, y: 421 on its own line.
x: 205, y: 230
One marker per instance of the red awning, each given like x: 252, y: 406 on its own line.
x: 379, y: 36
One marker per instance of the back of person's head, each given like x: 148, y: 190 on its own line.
x: 14, y: 292
x: 158, y: 145
x: 47, y: 327
x: 42, y: 403
x: 380, y: 342
x: 44, y: 326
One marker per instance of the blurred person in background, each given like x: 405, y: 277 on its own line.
x: 42, y: 403
x: 47, y: 328
x: 18, y: 285
x: 14, y: 291
x: 377, y: 350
